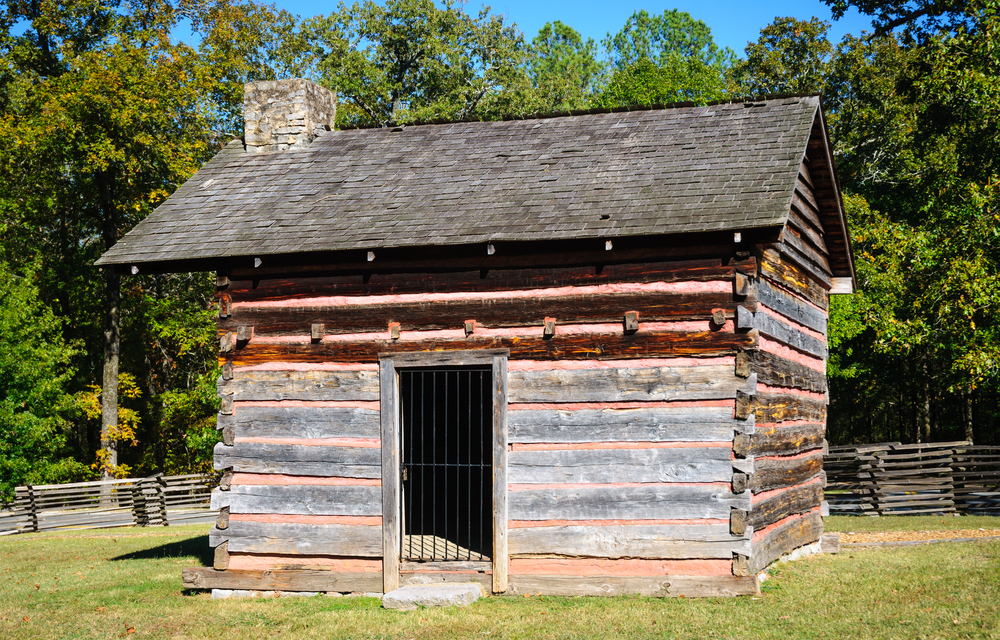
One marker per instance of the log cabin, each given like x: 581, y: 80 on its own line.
x: 582, y: 354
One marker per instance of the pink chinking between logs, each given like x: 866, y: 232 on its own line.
x: 608, y: 567
x: 529, y: 524
x: 284, y: 479
x: 256, y: 561
x: 570, y: 446
x: 711, y: 286
x: 692, y: 326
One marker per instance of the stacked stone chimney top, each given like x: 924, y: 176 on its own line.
x: 285, y: 114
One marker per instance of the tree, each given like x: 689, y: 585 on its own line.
x: 791, y: 56
x: 103, y: 117
x: 34, y: 373
x: 564, y: 69
x: 666, y: 58
x: 410, y: 60
x: 914, y: 118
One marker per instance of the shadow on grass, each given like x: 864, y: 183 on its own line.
x: 196, y: 548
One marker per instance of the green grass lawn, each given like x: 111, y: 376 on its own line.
x: 126, y: 583
x: 858, y: 524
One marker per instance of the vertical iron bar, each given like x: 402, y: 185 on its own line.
x: 409, y: 554
x: 445, y: 533
x: 423, y: 459
x: 434, y: 479
x: 482, y: 481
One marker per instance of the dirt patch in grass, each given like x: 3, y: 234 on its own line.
x: 908, y: 536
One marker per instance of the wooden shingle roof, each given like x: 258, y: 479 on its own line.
x: 690, y: 169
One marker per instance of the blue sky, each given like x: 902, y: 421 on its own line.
x: 733, y: 22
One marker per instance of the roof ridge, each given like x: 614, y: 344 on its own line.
x: 548, y: 115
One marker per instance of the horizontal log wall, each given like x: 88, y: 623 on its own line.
x: 621, y: 436
x: 790, y: 406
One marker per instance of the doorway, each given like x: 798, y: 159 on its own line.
x: 446, y: 463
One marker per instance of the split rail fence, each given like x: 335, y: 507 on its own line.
x: 890, y: 478
x: 156, y: 500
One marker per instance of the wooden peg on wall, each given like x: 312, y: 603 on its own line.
x: 741, y: 285
x: 631, y: 321
x: 550, y: 328
x: 394, y: 330
x: 316, y: 332
x: 470, y: 327
x: 244, y: 333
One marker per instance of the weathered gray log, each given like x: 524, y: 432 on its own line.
x: 653, y: 502
x: 784, y: 539
x: 777, y: 473
x: 688, y: 424
x: 703, y: 464
x: 781, y: 331
x: 301, y: 539
x: 784, y: 504
x: 335, y: 500
x: 260, y: 457
x: 616, y: 385
x: 302, y: 385
x: 791, y: 306
x: 282, y: 580
x: 306, y: 422
x: 663, y: 586
x: 409, y: 577
x: 628, y: 541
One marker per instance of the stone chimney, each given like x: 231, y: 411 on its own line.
x: 285, y: 114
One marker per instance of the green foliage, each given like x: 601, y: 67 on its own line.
x: 791, y: 56
x: 666, y: 58
x: 564, y: 69
x: 34, y: 403
x: 411, y: 60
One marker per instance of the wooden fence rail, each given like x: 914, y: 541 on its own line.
x: 890, y: 478
x: 156, y: 500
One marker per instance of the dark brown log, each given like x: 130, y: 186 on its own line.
x: 813, y: 265
x: 367, y: 281
x: 744, y: 405
x: 743, y: 364
x: 791, y: 306
x: 580, y: 347
x: 787, y: 503
x: 661, y: 586
x: 775, y: 371
x: 282, y: 580
x: 791, y: 276
x: 781, y: 407
x: 801, y: 223
x: 741, y: 285
x: 778, y: 473
x: 492, y: 312
x: 785, y: 441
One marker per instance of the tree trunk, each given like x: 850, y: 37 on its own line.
x: 112, y: 326
x: 926, y: 409
x: 967, y: 405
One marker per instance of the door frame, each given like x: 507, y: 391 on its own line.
x: 389, y: 411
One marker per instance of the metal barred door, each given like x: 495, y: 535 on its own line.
x: 447, y: 469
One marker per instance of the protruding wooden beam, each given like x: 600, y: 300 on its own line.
x: 744, y: 365
x: 394, y: 330
x: 227, y: 405
x: 227, y: 480
x: 221, y: 560
x: 226, y: 342
x: 316, y: 332
x: 225, y: 302
x: 470, y: 327
x: 740, y: 482
x: 718, y: 317
x: 222, y: 521
x: 737, y: 521
x: 631, y: 321
x: 221, y: 282
x: 229, y: 435
x: 741, y: 565
x: 741, y: 285
x: 741, y: 445
x: 744, y: 318
x: 227, y: 370
x: 550, y: 328
x: 744, y: 405
x: 244, y: 333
